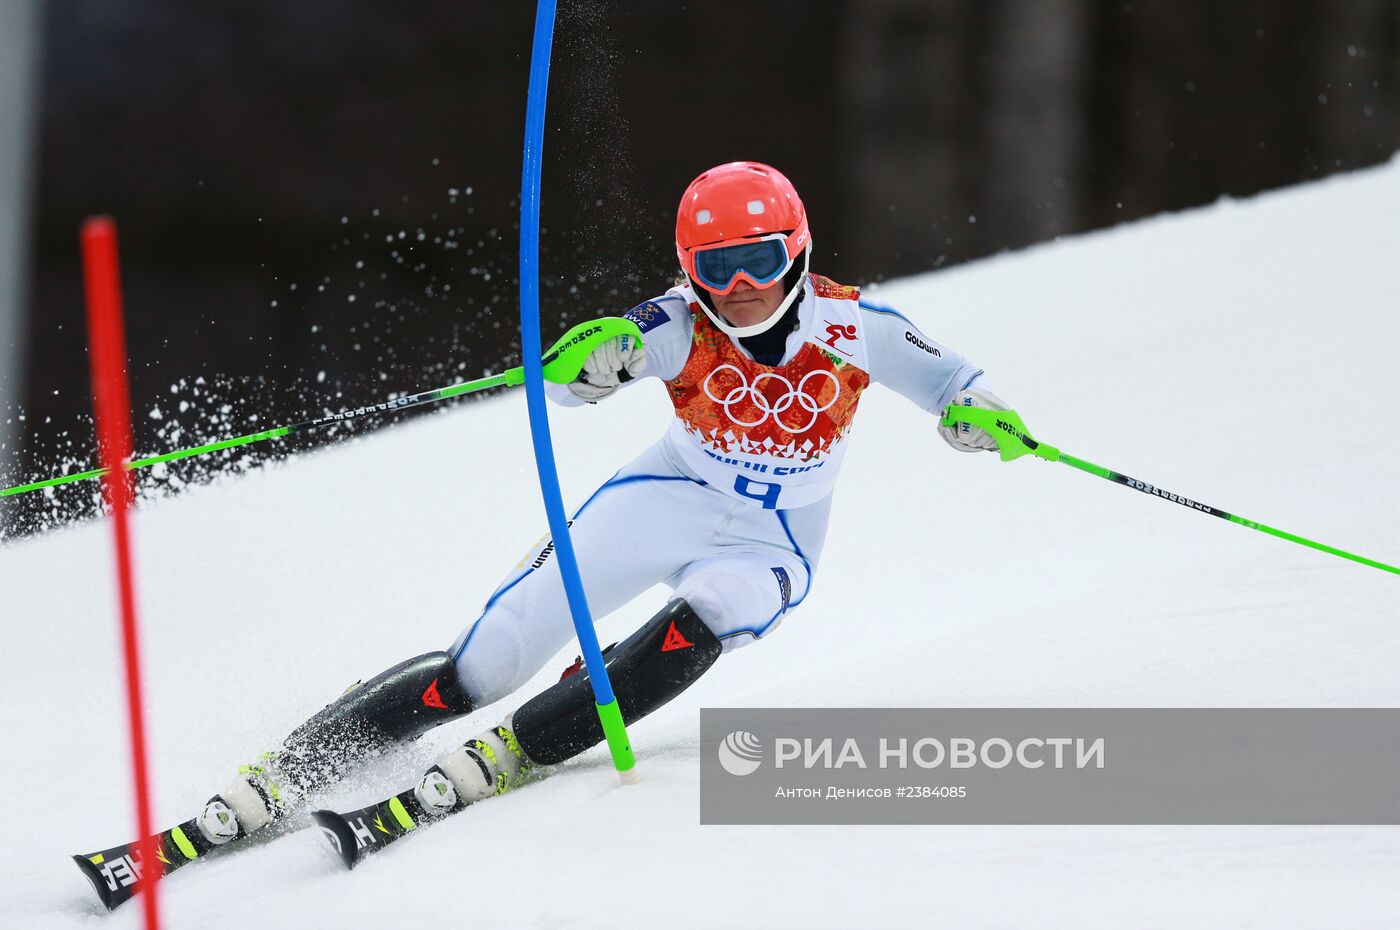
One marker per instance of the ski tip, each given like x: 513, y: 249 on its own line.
x: 339, y: 835
x: 94, y: 875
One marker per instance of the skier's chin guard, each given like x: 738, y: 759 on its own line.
x: 649, y: 668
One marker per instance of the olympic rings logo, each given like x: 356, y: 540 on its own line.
x: 775, y: 408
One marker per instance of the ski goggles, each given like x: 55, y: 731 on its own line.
x: 760, y: 262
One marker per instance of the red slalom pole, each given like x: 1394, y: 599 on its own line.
x: 111, y: 399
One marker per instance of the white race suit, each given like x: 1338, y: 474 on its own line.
x: 736, y: 494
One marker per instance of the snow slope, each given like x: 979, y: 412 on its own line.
x: 1244, y: 355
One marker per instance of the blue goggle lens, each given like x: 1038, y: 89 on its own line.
x: 763, y: 261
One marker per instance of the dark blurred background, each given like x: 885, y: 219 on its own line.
x: 317, y: 200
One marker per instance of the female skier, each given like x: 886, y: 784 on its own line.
x: 765, y: 364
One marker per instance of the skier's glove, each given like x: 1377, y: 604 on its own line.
x: 613, y: 362
x: 964, y: 436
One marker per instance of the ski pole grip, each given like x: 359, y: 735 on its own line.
x: 564, y: 360
x: 1006, y: 428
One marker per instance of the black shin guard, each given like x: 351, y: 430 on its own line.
x: 396, y: 705
x: 647, y: 669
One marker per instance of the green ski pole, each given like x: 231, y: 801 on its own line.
x: 1014, y: 440
x: 562, y: 363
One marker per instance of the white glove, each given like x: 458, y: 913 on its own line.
x: 964, y: 436
x: 615, y: 361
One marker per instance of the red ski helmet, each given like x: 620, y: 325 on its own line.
x: 741, y: 220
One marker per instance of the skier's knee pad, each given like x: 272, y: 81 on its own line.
x: 653, y: 665
x: 399, y: 704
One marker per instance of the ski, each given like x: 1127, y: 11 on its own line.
x: 357, y: 834
x: 114, y: 872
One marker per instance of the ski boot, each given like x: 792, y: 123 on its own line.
x: 488, y: 765
x: 251, y: 801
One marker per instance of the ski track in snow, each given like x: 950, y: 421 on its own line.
x: 1242, y: 355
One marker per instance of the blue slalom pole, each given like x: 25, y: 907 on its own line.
x: 608, y: 712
